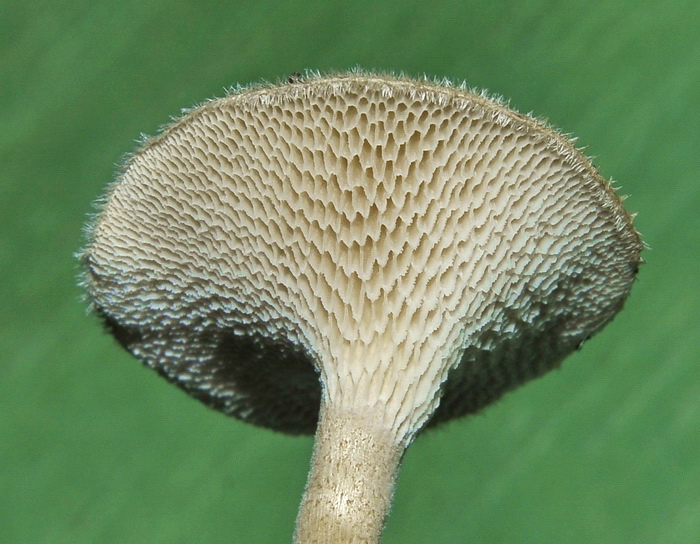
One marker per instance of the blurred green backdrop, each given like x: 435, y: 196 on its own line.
x: 94, y: 448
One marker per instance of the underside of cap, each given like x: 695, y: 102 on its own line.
x: 368, y: 240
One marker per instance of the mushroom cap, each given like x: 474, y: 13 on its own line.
x: 371, y: 240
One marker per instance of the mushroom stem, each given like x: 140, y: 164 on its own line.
x: 351, y: 481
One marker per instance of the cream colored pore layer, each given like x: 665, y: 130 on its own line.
x: 380, y: 227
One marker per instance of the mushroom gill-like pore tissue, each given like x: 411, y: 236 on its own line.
x: 359, y: 256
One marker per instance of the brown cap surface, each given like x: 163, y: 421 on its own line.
x: 416, y: 244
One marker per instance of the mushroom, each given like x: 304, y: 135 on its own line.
x: 360, y: 256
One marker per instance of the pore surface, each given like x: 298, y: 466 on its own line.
x: 383, y: 232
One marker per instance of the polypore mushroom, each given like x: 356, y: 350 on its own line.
x: 360, y: 256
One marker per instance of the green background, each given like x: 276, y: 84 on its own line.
x: 95, y: 448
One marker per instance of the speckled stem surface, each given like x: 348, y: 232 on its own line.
x: 351, y: 482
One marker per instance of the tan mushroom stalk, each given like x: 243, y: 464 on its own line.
x: 360, y: 256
